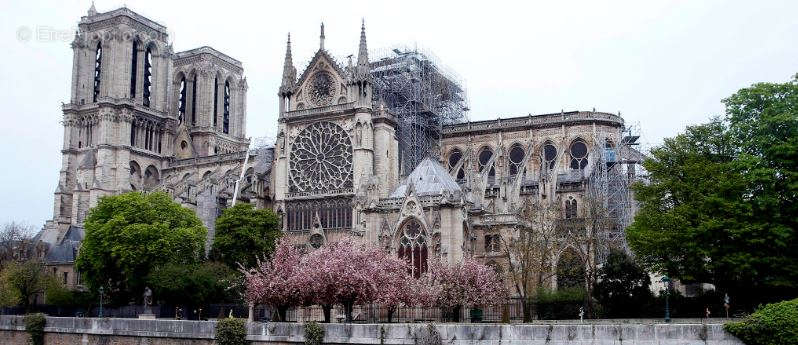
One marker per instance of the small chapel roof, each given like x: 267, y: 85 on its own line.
x: 428, y: 178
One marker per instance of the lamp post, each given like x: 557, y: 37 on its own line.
x: 100, y: 313
x: 667, y: 282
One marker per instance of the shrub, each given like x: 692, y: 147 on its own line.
x: 560, y: 304
x: 34, y: 325
x: 231, y: 331
x: 314, y: 333
x: 623, y: 287
x: 773, y: 324
x: 193, y: 284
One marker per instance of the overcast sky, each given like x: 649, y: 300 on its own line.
x: 662, y: 64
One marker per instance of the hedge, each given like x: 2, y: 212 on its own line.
x: 231, y: 331
x: 773, y: 324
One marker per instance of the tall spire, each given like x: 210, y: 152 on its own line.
x: 92, y: 10
x: 321, y: 37
x: 363, y: 52
x: 289, y: 72
x: 362, y: 70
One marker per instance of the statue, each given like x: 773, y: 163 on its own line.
x: 147, y: 296
x: 147, y: 314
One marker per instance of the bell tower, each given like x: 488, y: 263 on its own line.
x: 117, y: 111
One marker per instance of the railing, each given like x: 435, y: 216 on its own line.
x: 329, y: 192
x: 208, y: 159
x: 425, y: 200
x: 495, y: 219
x: 319, y: 110
x: 113, y: 100
x: 534, y: 120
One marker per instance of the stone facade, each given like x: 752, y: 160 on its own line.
x: 142, y: 117
x: 336, y: 171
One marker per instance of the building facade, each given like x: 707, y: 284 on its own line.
x: 338, y: 171
x: 357, y: 154
x: 142, y: 117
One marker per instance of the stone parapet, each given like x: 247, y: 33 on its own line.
x: 124, y: 331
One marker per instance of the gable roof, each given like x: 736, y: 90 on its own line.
x: 428, y: 178
x: 321, y: 53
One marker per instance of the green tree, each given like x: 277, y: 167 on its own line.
x: 623, y: 287
x: 194, y: 284
x: 21, y: 281
x: 129, y: 235
x: 244, y: 234
x: 720, y: 205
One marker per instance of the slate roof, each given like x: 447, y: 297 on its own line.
x: 428, y: 178
x: 263, y: 160
x: 67, y: 250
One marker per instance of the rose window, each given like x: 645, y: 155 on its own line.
x: 321, y: 88
x: 321, y: 159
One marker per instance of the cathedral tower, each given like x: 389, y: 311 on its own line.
x: 117, y: 110
x: 136, y: 109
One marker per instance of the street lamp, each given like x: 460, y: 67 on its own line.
x: 100, y: 314
x: 667, y: 282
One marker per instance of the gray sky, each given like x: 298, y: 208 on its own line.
x: 663, y: 64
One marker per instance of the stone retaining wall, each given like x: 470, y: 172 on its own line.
x: 94, y: 331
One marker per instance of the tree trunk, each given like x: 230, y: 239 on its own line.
x: 348, y: 306
x: 326, y: 308
x: 282, y: 310
x: 455, y: 313
x: 391, y: 310
x: 528, y: 308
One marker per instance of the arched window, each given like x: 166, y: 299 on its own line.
x: 516, y: 158
x: 135, y: 174
x: 578, y: 152
x: 215, y: 102
x: 147, y: 76
x: 181, y: 101
x: 570, y: 270
x: 133, y: 133
x: 413, y: 247
x: 570, y: 208
x: 226, y: 119
x: 194, y: 101
x: 493, y: 243
x: 98, y: 61
x: 134, y: 62
x: 549, y: 155
x: 484, y: 158
x: 151, y: 177
x: 454, y: 157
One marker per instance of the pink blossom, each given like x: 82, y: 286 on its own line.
x: 276, y: 282
x: 467, y: 284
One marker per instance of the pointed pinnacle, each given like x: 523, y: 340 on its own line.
x: 321, y: 37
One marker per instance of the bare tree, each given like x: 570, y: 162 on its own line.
x: 16, y: 243
x: 529, y: 249
x: 587, y: 235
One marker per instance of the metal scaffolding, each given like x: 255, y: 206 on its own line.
x: 609, y: 182
x: 423, y: 96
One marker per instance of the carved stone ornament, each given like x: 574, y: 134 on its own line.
x: 321, y: 159
x: 321, y: 88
